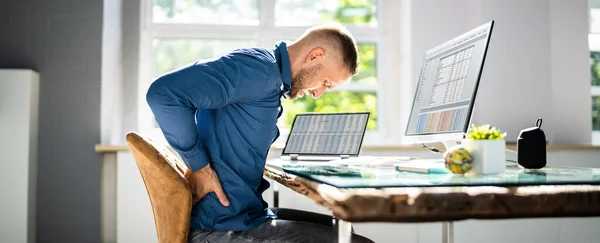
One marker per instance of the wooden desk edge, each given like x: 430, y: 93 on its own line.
x: 107, y: 148
x: 437, y: 204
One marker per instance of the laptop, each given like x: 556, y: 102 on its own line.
x: 325, y: 136
x: 325, y: 144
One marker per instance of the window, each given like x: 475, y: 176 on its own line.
x: 310, y: 12
x: 178, y: 32
x: 594, y: 43
x: 172, y: 53
x: 237, y: 12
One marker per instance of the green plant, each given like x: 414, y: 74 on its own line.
x: 484, y: 132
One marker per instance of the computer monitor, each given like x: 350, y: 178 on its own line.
x: 445, y: 94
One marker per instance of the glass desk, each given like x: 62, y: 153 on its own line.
x: 356, y: 177
x: 387, y: 195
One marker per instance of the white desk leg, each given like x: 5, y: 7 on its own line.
x: 448, y: 232
x: 108, y: 198
x: 344, y: 231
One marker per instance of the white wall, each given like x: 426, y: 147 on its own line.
x: 537, y: 63
x: 62, y: 41
x: 111, y: 74
x: 571, y: 109
x: 120, y: 61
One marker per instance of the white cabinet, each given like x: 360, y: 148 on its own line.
x: 19, y: 92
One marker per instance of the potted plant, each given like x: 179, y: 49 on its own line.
x: 487, y: 147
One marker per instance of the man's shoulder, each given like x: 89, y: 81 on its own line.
x: 256, y: 53
x: 259, y: 68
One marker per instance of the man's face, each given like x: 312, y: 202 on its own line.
x: 317, y: 79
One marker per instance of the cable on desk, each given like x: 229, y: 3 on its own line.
x: 438, y: 151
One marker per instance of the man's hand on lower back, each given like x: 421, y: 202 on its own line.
x: 205, y: 181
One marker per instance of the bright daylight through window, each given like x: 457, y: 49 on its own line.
x: 178, y: 32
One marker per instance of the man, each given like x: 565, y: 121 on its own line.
x: 221, y: 116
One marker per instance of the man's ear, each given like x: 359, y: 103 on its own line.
x: 315, y: 54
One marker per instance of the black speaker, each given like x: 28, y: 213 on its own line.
x: 531, y: 147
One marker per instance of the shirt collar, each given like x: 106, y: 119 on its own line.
x: 283, y: 62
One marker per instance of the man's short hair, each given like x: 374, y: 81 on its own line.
x: 343, y: 42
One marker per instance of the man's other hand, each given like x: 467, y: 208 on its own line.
x: 205, y: 181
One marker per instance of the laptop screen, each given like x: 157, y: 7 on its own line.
x: 327, y: 134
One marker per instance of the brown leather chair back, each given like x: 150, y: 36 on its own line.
x: 167, y: 181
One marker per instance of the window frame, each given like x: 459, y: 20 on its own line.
x: 266, y: 33
x: 594, y: 45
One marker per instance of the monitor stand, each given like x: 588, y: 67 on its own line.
x: 449, y: 144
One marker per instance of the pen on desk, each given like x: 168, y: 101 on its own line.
x: 423, y: 170
x: 405, y: 158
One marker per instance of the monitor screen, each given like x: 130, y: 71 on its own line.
x: 327, y: 133
x: 446, y: 88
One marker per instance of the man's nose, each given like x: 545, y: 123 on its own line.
x: 320, y: 91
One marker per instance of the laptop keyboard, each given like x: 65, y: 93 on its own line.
x: 378, y: 161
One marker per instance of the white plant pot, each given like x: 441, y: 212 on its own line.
x: 488, y: 155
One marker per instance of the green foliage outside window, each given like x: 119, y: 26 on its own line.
x: 171, y: 54
x: 595, y: 74
x: 353, y: 12
x: 367, y: 72
x: 341, y: 101
x: 237, y: 12
x: 595, y: 67
x: 595, y: 115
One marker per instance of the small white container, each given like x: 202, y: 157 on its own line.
x: 488, y: 155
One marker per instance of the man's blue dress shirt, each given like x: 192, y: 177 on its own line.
x: 224, y: 112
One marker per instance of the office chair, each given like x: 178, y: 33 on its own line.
x: 167, y: 180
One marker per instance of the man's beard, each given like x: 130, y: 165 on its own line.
x: 301, y: 80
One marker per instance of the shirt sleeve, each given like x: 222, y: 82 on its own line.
x: 175, y: 97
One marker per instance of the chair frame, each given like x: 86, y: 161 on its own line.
x: 168, y: 183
